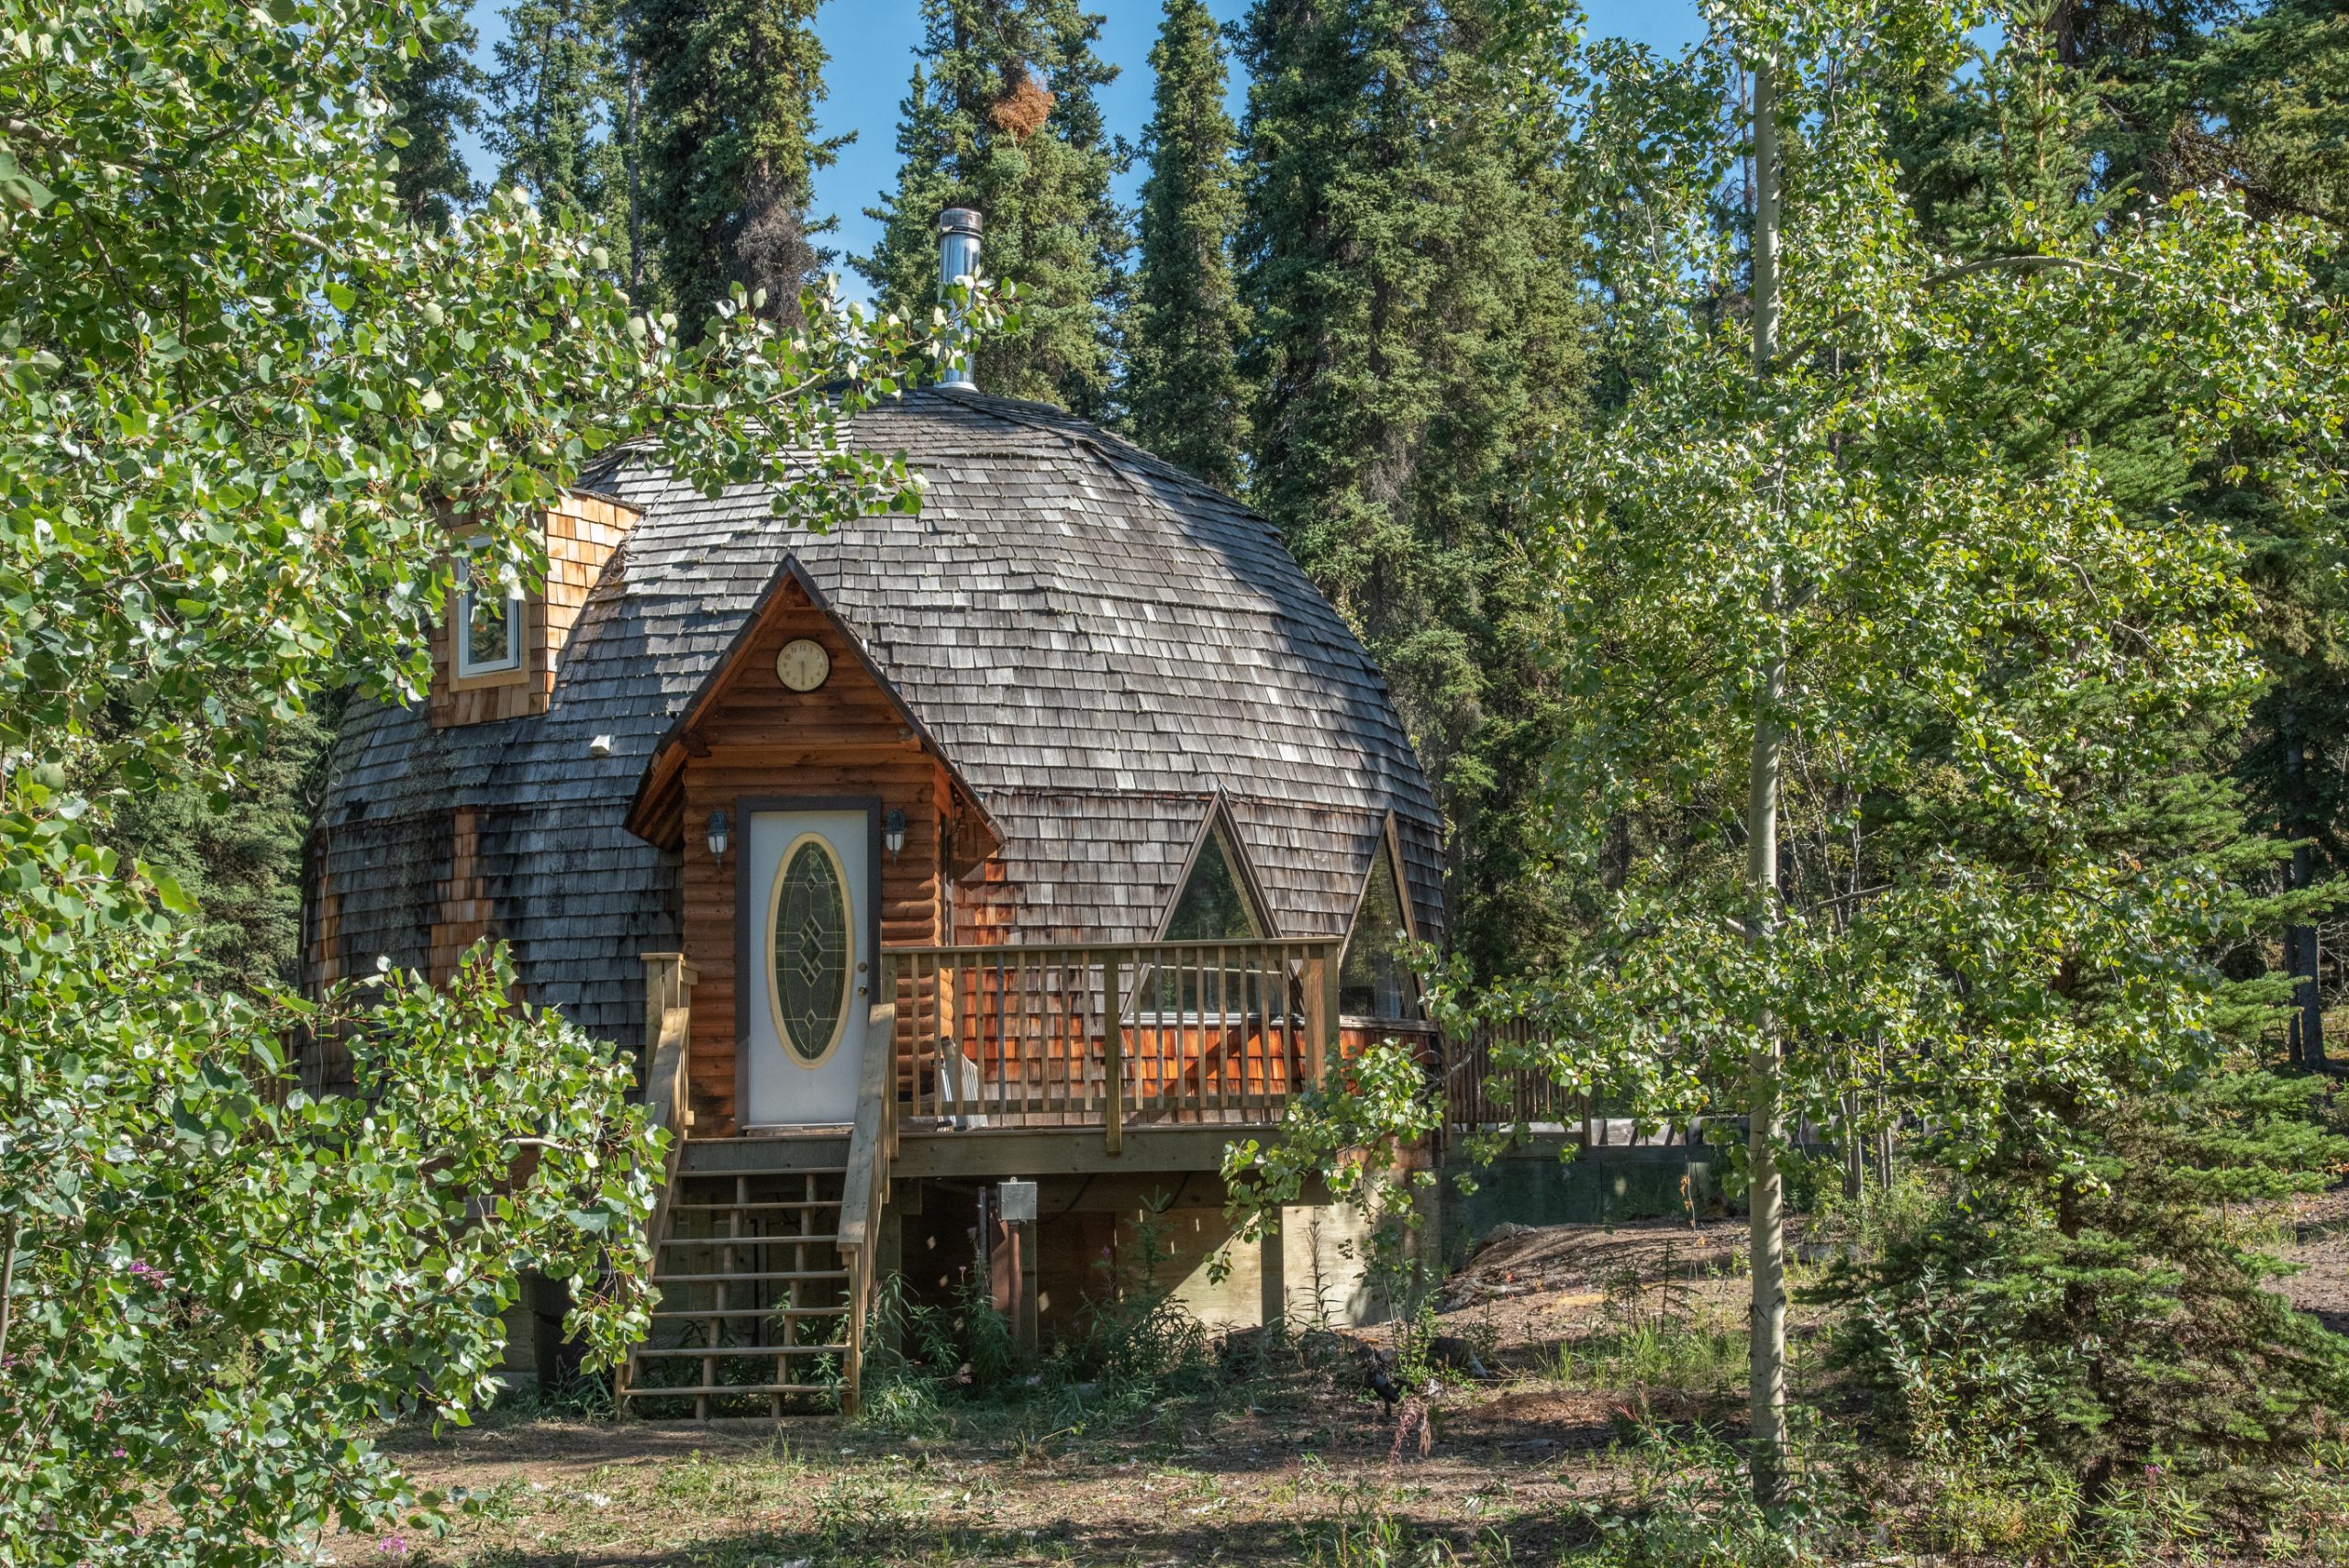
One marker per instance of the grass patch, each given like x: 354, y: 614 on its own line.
x: 1696, y: 1361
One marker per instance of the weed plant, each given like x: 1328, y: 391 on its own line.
x: 1865, y: 1222
x: 1367, y: 1533
x: 582, y: 1396
x: 1687, y: 1502
x: 925, y: 1357
x: 1134, y: 1348
x: 1138, y: 1345
x: 2308, y: 1517
x: 1693, y: 1360
x: 1657, y: 1339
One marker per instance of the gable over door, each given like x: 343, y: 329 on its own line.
x: 751, y: 745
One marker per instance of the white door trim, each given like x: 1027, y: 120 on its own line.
x: 752, y: 910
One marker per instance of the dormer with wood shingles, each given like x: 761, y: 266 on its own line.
x: 580, y: 533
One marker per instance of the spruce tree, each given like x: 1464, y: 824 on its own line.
x: 1415, y: 331
x: 558, y: 91
x: 2253, y: 104
x: 1001, y: 116
x: 433, y: 99
x: 238, y: 856
x: 1183, y: 396
x: 730, y: 88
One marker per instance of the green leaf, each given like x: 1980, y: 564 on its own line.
x: 20, y: 188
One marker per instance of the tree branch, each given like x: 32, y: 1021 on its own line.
x: 2029, y: 263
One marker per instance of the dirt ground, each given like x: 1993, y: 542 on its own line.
x: 1292, y: 1461
x: 2318, y: 1232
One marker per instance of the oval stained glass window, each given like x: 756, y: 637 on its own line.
x: 808, y: 922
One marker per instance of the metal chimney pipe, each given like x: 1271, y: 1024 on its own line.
x: 958, y: 258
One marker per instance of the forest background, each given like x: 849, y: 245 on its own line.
x: 1363, y: 323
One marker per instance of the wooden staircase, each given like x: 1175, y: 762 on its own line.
x: 755, y: 1290
x: 764, y: 1247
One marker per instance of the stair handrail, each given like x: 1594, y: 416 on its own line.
x: 668, y: 1102
x: 864, y: 1185
x: 668, y: 1003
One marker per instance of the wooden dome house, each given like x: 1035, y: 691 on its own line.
x: 965, y: 880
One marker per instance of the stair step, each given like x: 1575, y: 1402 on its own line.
x: 813, y: 1238
x: 690, y: 1392
x: 758, y: 1175
x: 683, y: 1352
x: 749, y: 1207
x: 744, y: 1278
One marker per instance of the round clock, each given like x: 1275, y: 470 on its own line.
x: 803, y: 665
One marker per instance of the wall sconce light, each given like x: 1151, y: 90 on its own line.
x: 893, y: 832
x: 718, y: 835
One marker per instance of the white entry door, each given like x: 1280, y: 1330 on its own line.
x: 808, y: 899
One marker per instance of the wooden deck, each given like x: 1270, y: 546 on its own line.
x: 1134, y: 1062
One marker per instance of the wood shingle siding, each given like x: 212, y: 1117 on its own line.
x: 1084, y: 647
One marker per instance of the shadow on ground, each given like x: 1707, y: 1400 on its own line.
x: 1346, y: 1535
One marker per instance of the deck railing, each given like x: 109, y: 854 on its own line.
x: 1154, y: 1034
x: 1479, y: 1093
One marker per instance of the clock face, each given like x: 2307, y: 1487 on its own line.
x: 803, y: 665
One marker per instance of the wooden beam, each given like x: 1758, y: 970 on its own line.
x: 1113, y: 1127
x: 1272, y: 1298
x: 1023, y: 1151
x: 1124, y: 1191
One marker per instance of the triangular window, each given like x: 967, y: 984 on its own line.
x: 1215, y: 906
x: 1373, y: 979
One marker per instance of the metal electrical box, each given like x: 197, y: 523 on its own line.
x: 1016, y: 1202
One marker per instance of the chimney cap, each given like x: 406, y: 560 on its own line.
x: 959, y: 220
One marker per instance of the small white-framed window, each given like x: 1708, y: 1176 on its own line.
x: 485, y: 627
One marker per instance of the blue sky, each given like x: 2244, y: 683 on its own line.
x: 872, y: 43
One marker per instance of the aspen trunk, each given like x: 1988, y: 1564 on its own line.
x: 2306, y: 1033
x: 1766, y: 1200
x: 632, y: 138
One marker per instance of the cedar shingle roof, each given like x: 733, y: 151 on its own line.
x: 1099, y: 642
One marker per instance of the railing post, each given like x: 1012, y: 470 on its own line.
x: 1320, y: 1016
x: 852, y: 1356
x: 1443, y: 1049
x: 1330, y: 1041
x: 1113, y: 1055
x: 668, y: 982
x: 901, y: 1052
